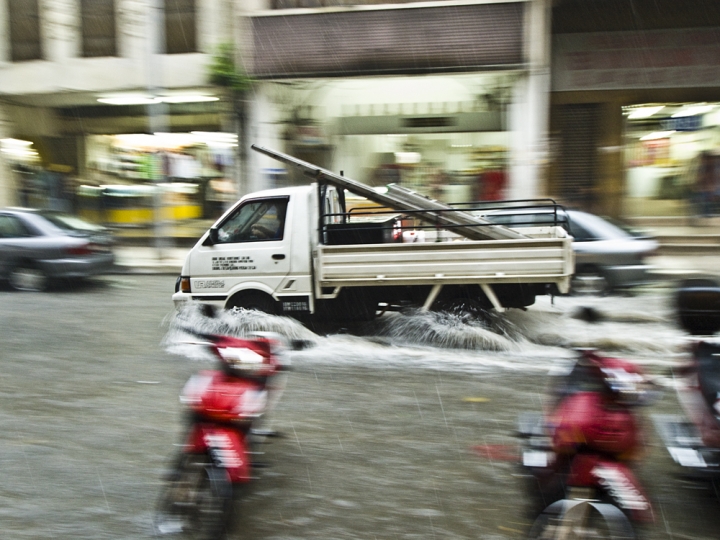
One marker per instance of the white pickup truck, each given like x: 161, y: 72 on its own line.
x: 314, y: 253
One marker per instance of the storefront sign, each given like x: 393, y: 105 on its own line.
x: 683, y: 123
x: 415, y: 38
x: 644, y: 59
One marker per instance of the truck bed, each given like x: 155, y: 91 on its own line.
x: 531, y: 260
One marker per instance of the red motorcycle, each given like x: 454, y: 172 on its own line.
x: 578, y: 453
x: 693, y: 440
x: 225, y: 409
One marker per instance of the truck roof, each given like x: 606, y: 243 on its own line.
x: 279, y: 192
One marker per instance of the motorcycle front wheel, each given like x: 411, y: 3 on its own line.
x: 581, y: 520
x: 196, y: 501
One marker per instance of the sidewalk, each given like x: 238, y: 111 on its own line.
x: 685, y: 249
x: 149, y: 260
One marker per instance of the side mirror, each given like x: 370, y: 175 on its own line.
x: 212, y: 237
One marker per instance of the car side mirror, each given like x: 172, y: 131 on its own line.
x: 212, y: 237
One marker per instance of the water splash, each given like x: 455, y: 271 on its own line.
x: 450, y: 330
x: 516, y: 339
x: 193, y: 319
x: 610, y: 324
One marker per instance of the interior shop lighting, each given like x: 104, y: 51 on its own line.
x: 128, y: 99
x: 644, y: 112
x: 657, y: 135
x: 17, y: 148
x: 187, y: 99
x: 140, y: 99
x: 407, y: 158
x: 693, y: 110
x: 15, y: 143
x: 218, y: 139
x: 215, y: 136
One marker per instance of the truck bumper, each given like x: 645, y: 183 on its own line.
x: 181, y: 299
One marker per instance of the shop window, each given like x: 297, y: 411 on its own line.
x: 180, y: 31
x: 24, y: 19
x: 98, y: 28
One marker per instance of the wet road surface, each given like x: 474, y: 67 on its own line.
x: 379, y: 441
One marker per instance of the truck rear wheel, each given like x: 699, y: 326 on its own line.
x: 254, y: 300
x: 463, y: 307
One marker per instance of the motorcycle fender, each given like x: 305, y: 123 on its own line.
x: 226, y: 447
x: 619, y: 482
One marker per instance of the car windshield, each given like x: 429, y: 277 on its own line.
x: 68, y: 222
x: 627, y: 228
x: 597, y: 227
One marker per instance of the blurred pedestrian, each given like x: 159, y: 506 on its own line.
x: 706, y: 185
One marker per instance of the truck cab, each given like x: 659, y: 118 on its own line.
x: 255, y: 255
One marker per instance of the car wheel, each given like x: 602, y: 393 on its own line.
x: 26, y: 277
x: 589, y: 282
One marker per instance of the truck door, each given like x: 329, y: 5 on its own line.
x: 253, y: 243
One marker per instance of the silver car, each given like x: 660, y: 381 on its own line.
x: 37, y: 246
x: 608, y: 256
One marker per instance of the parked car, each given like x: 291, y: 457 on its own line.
x: 608, y: 255
x: 37, y: 246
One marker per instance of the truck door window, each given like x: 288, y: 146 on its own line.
x: 255, y: 221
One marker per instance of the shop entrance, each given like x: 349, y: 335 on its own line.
x: 672, y: 159
x: 445, y: 136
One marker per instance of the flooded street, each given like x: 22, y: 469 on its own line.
x: 389, y: 436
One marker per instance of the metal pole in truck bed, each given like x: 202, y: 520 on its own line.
x: 400, y: 198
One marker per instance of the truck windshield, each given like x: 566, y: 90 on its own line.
x: 255, y: 221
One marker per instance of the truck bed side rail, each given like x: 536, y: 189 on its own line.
x: 366, y: 222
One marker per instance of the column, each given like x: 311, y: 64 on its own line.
x: 7, y: 183
x: 528, y: 111
x: 60, y: 28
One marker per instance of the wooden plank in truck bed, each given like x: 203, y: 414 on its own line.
x: 545, y: 260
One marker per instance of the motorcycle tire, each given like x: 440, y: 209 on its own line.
x: 581, y: 520
x: 196, y: 501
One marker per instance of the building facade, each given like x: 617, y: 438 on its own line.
x: 635, y: 106
x: 448, y: 97
x: 83, y: 83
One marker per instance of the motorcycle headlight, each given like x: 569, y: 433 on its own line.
x: 241, y: 358
x: 627, y: 387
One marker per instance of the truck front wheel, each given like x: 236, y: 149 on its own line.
x: 254, y: 300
